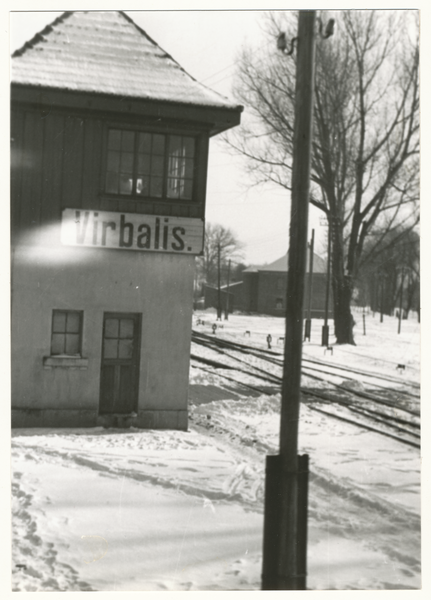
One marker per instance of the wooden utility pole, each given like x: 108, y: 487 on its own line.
x: 363, y: 319
x: 307, y: 334
x: 382, y: 295
x: 226, y: 314
x: 283, y: 562
x: 400, y: 314
x: 325, y: 326
x: 218, y: 284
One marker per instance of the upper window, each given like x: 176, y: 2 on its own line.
x: 150, y: 165
x: 66, y: 332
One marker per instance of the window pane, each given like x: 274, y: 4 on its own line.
x: 126, y: 328
x: 111, y: 328
x: 144, y: 144
x: 112, y: 183
x: 188, y: 167
x: 125, y: 184
x: 144, y: 164
x: 156, y: 189
x: 66, y: 332
x: 144, y: 174
x: 187, y: 189
x: 157, y: 165
x: 59, y: 321
x: 114, y: 140
x: 73, y: 322
x: 125, y: 349
x: 113, y: 161
x: 158, y: 144
x: 180, y: 167
x: 174, y: 188
x: 72, y: 343
x: 175, y: 167
x: 189, y: 146
x: 58, y: 343
x: 110, y: 349
x: 175, y: 145
x: 127, y: 162
x: 127, y: 141
x: 143, y: 186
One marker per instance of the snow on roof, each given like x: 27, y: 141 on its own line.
x: 106, y: 52
x: 280, y: 265
x: 226, y: 286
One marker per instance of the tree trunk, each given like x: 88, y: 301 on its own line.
x: 343, y: 319
x: 342, y: 289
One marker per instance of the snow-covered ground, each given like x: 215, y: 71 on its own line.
x: 132, y: 510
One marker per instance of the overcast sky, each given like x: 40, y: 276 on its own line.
x: 206, y: 43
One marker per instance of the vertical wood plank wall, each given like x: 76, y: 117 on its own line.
x: 57, y: 162
x: 73, y: 155
x: 53, y: 137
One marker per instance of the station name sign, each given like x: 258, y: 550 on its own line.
x: 130, y: 231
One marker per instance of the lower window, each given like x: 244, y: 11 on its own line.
x: 66, y: 332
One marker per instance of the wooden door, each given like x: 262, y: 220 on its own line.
x: 120, y: 363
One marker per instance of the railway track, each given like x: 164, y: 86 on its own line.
x: 276, y: 358
x: 394, y: 414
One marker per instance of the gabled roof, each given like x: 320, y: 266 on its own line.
x: 107, y: 53
x: 280, y: 265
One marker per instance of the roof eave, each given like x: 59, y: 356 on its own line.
x: 215, y: 119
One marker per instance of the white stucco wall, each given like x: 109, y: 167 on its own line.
x: 157, y: 286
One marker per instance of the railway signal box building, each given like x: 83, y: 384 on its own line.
x: 110, y: 142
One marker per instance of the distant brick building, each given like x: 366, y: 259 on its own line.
x: 109, y: 157
x: 228, y: 296
x: 264, y: 289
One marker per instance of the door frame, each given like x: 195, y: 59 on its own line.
x: 135, y: 363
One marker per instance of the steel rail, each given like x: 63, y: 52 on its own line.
x: 368, y: 396
x: 327, y: 413
x: 370, y: 414
x: 267, y: 353
x: 363, y: 426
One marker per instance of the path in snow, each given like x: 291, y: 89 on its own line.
x: 183, y: 510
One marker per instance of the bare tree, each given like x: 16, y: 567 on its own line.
x: 389, y: 265
x: 366, y: 131
x: 217, y: 239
